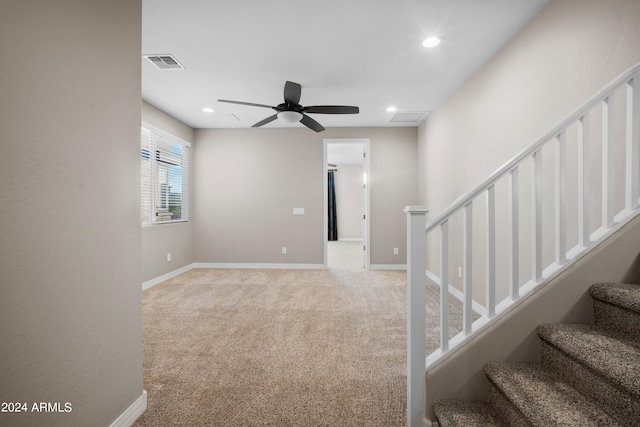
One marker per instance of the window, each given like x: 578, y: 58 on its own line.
x: 164, y: 173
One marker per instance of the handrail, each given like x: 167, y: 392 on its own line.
x: 417, y: 230
x: 500, y: 172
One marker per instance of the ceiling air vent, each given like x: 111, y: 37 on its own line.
x: 409, y: 116
x: 165, y: 62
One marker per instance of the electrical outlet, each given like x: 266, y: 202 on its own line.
x: 284, y: 250
x: 168, y: 257
x: 459, y: 271
x: 395, y: 251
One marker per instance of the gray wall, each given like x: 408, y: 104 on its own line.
x: 160, y: 239
x: 247, y: 181
x: 564, y: 55
x: 70, y: 308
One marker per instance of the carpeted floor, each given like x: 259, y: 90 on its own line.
x: 242, y: 347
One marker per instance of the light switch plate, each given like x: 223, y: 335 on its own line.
x: 298, y: 211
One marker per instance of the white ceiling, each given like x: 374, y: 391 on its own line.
x: 366, y: 53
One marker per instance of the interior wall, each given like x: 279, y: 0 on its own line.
x: 247, y: 182
x: 70, y: 308
x: 176, y: 239
x: 566, y: 53
x: 349, y: 181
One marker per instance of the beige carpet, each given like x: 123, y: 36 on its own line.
x: 242, y: 347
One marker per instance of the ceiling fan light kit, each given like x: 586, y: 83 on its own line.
x: 291, y: 111
x: 290, y: 116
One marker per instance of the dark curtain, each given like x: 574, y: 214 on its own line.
x: 333, y: 218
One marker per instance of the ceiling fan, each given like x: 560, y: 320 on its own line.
x: 291, y: 111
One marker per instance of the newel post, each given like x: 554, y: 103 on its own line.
x: 416, y: 316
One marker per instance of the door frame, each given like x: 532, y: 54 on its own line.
x: 366, y: 142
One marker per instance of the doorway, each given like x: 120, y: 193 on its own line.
x: 348, y: 158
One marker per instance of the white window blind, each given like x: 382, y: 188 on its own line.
x: 164, y: 173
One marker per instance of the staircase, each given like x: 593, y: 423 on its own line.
x: 588, y: 375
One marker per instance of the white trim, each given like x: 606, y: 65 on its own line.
x: 351, y: 239
x: 167, y: 276
x: 477, y: 307
x: 429, y: 423
x: 387, y: 266
x: 174, y: 273
x: 325, y: 205
x: 258, y: 265
x: 132, y: 413
x: 154, y: 223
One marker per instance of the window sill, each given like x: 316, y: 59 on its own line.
x: 153, y: 224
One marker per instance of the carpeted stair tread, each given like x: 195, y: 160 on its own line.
x: 543, y: 399
x: 463, y: 413
x: 604, y: 352
x: 621, y: 294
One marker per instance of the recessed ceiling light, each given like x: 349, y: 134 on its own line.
x: 391, y: 109
x: 431, y: 42
x: 208, y: 110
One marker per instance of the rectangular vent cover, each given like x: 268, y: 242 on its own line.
x: 165, y: 62
x: 410, y: 116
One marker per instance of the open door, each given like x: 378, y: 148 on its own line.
x: 353, y: 155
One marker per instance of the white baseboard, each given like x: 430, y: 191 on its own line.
x: 174, y: 273
x: 229, y: 265
x: 351, y: 239
x: 171, y: 274
x: 477, y: 307
x: 388, y: 266
x: 132, y: 413
x: 265, y: 265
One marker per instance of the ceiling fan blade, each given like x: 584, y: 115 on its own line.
x: 265, y: 121
x: 292, y: 92
x: 251, y: 104
x: 311, y: 124
x: 331, y: 109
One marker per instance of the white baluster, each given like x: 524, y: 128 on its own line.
x: 467, y: 313
x: 444, y: 286
x: 514, y: 222
x: 537, y: 216
x: 416, y: 315
x: 583, y: 183
x: 491, y: 251
x: 632, y: 143
x: 607, y: 164
x: 561, y: 252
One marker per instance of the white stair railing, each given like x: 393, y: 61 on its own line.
x: 618, y: 138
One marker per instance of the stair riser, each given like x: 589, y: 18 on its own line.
x: 506, y: 412
x: 620, y: 405
x: 617, y: 319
